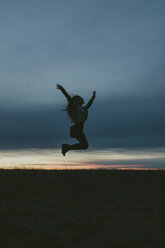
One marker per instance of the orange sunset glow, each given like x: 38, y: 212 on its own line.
x: 48, y: 159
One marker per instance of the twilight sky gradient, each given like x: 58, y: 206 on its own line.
x: 115, y: 47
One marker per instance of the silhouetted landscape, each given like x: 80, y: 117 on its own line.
x: 94, y: 208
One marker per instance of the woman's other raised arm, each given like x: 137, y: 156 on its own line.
x: 68, y: 97
x: 87, y: 106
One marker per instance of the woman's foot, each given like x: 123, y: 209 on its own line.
x: 65, y: 148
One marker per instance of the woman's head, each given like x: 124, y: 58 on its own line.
x: 78, y: 99
x: 71, y: 108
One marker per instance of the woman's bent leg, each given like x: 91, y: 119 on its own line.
x: 80, y: 137
x: 79, y: 146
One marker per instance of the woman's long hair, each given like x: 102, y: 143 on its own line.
x: 71, y: 108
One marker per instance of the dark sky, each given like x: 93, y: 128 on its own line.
x: 115, y: 47
x: 125, y: 122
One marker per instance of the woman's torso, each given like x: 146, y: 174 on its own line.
x: 80, y: 113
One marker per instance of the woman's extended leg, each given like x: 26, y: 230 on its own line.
x: 79, y: 146
x: 82, y: 145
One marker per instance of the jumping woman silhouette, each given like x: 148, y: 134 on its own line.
x: 78, y: 115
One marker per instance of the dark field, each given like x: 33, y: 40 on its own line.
x: 82, y: 209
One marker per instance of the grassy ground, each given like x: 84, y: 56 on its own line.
x: 82, y: 209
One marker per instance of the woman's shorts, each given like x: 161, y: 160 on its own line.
x: 77, y: 130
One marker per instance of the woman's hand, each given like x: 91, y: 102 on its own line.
x: 94, y: 93
x: 59, y: 87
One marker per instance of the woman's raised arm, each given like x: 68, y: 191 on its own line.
x: 87, y: 106
x: 59, y: 87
